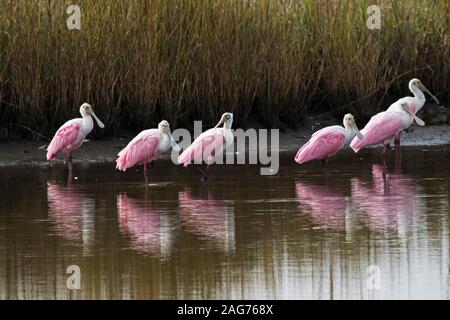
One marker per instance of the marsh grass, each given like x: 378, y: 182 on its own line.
x: 138, y: 61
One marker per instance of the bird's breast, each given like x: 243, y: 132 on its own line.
x: 164, y: 144
x: 229, y: 137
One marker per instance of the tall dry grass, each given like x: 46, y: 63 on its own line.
x: 138, y: 61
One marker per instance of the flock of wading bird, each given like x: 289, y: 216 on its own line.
x: 149, y: 144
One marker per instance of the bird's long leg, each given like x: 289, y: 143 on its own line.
x: 398, y: 160
x: 70, y: 166
x: 397, y: 141
x: 325, y: 166
x: 203, y: 173
x: 385, y: 148
x: 207, y: 172
x: 145, y: 169
x: 145, y: 173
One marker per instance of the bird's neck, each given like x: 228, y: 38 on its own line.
x: 418, y: 94
x: 350, y: 133
x: 88, y: 123
x: 227, y: 124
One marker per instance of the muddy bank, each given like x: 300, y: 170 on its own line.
x: 33, y: 153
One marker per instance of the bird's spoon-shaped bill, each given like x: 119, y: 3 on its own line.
x: 174, y: 144
x: 99, y: 123
x: 421, y: 86
x: 419, y: 121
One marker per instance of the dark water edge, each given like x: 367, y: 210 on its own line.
x: 296, y: 235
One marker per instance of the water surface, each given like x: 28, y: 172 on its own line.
x: 296, y: 235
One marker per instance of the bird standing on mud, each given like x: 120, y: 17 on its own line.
x: 328, y: 141
x: 209, y: 145
x: 146, y: 147
x: 70, y: 136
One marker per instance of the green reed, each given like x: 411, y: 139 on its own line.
x: 138, y: 61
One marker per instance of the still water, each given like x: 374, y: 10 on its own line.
x: 296, y: 235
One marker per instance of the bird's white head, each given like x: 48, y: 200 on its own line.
x: 415, y: 84
x: 164, y: 127
x: 349, y: 123
x: 406, y: 108
x: 86, y: 110
x: 226, y: 119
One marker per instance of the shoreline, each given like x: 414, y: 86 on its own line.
x: 104, y: 151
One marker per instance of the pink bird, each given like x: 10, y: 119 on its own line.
x: 146, y: 147
x: 385, y: 126
x: 70, y: 136
x: 328, y: 141
x: 209, y: 145
x: 414, y: 103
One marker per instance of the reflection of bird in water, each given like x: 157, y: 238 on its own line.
x: 150, y: 230
x: 71, y: 213
x: 211, y: 219
x: 388, y: 201
x: 327, y: 208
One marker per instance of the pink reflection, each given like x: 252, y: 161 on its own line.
x: 209, y: 218
x: 385, y: 202
x: 71, y: 213
x: 325, y: 206
x: 147, y: 228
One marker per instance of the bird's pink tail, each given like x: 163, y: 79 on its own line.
x: 121, y: 162
x: 51, y: 156
x: 302, y: 155
x: 357, y: 144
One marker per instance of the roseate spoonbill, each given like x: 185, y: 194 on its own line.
x: 384, y: 126
x: 209, y: 145
x: 328, y: 141
x: 70, y: 135
x: 146, y: 147
x: 414, y: 103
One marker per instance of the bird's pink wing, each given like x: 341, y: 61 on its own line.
x: 204, y: 148
x: 381, y: 126
x: 324, y: 143
x: 138, y: 151
x: 65, y: 136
